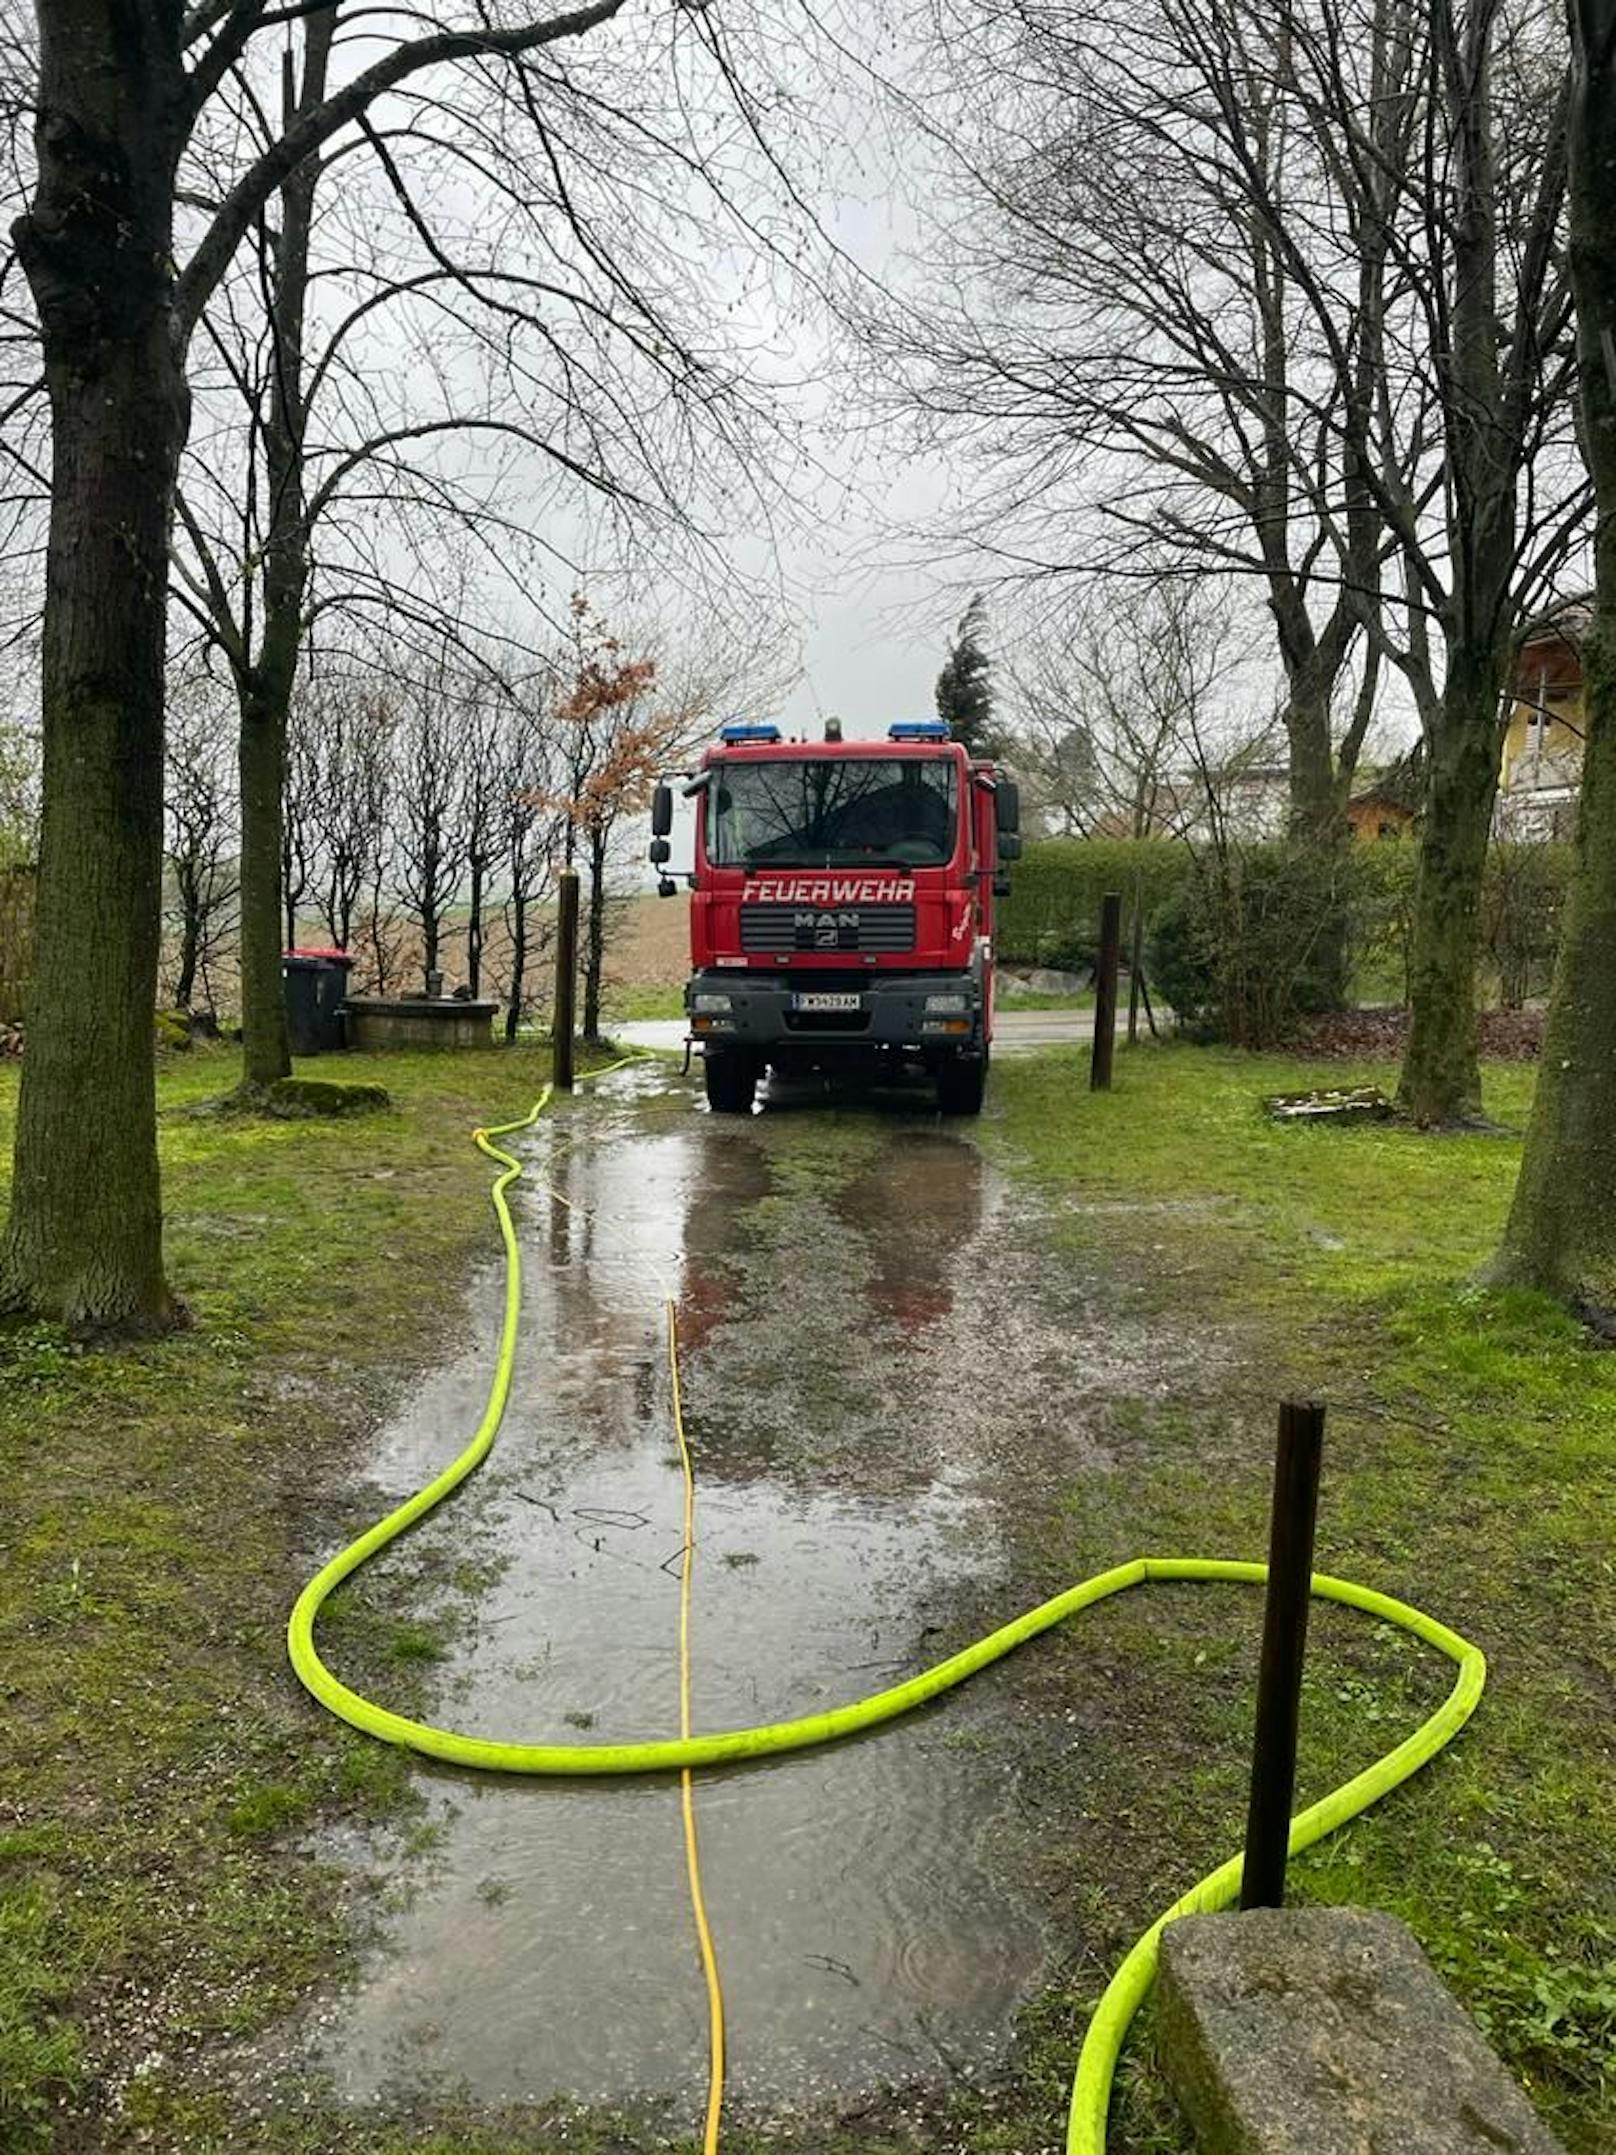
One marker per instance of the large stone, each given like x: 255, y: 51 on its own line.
x: 1325, y: 2031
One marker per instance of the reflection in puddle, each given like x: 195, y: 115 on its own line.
x: 863, y: 1933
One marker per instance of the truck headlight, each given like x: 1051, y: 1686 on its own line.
x: 712, y: 1004
x: 947, y: 1002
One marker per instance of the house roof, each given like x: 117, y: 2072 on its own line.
x: 1398, y: 785
x: 1565, y: 624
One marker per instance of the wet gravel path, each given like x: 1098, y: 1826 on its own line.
x: 879, y: 1361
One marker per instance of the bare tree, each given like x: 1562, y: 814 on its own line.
x: 382, y: 934
x: 321, y: 435
x: 1126, y: 347
x: 349, y: 727
x: 529, y: 838
x: 1561, y: 1235
x: 200, y: 838
x: 1116, y: 693
x: 299, y: 837
x: 1285, y: 289
x: 484, y: 771
x: 159, y: 151
x: 118, y: 102
x: 431, y: 832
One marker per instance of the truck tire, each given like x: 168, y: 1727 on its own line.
x: 961, y: 1083
x: 731, y: 1083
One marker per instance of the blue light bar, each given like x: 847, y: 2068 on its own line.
x: 919, y: 729
x: 738, y: 733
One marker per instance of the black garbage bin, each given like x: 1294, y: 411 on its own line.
x: 316, y: 989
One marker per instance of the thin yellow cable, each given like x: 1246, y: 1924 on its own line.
x: 1091, y: 2089
x: 687, y: 1797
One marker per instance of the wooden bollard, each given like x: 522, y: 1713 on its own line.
x: 1284, y: 1647
x: 566, y: 980
x: 1105, y: 992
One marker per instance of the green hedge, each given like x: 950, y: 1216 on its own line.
x: 1052, y: 914
x: 1053, y: 910
x: 1522, y: 904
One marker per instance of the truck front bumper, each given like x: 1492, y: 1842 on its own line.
x: 931, y: 1015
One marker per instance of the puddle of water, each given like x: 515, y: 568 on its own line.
x: 865, y: 1934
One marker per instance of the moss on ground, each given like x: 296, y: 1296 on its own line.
x: 299, y: 1099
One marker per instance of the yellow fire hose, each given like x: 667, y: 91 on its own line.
x: 1091, y: 2088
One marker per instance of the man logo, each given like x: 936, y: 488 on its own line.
x: 826, y: 930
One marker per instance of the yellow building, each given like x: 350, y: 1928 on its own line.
x: 1542, y: 768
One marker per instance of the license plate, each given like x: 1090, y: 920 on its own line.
x: 826, y: 1002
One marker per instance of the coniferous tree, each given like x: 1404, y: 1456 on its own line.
x: 965, y: 685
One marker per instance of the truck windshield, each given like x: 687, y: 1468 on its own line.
x: 822, y: 811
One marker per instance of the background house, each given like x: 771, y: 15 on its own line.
x: 1387, y: 801
x: 1542, y: 767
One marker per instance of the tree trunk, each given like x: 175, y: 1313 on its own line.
x: 1441, y: 1077
x: 190, y: 937
x: 429, y: 942
x: 265, y: 1046
x: 1561, y: 1235
x: 1315, y: 795
x: 84, y: 1239
x: 266, y: 700
x: 513, y: 1009
x: 1487, y: 454
x: 474, y: 930
x: 1317, y: 823
x: 380, y: 954
x: 595, y: 936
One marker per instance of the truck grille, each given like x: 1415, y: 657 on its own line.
x: 782, y: 928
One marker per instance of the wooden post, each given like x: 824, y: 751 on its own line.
x: 1279, y: 1677
x: 1136, y: 965
x: 1144, y: 990
x: 1105, y: 992
x: 566, y: 980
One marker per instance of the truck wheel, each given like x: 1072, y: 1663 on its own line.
x: 731, y: 1083
x: 960, y: 1085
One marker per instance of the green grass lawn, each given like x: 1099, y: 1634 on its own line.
x: 625, y: 1005
x: 157, y: 1759
x: 155, y: 1754
x: 1041, y: 999
x: 1470, y: 1469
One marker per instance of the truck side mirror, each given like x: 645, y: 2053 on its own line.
x: 660, y: 851
x: 666, y: 887
x: 1001, y: 886
x: 661, y: 816
x: 1009, y: 846
x: 1007, y: 805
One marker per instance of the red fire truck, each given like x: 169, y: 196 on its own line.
x: 841, y: 908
